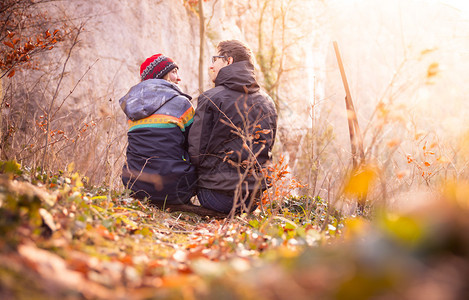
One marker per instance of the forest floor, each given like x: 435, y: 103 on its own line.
x: 62, y: 240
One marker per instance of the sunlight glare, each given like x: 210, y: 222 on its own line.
x: 461, y: 5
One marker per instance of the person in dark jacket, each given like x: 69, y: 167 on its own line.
x: 233, y: 133
x: 160, y: 116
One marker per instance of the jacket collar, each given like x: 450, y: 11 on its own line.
x: 238, y: 76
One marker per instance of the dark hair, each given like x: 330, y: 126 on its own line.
x: 236, y: 49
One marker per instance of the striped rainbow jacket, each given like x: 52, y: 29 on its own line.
x: 157, y: 164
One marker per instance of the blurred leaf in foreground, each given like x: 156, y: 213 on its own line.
x: 360, y: 181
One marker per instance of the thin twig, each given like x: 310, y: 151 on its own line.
x: 47, y: 117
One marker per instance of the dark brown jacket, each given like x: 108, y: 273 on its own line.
x: 233, y: 131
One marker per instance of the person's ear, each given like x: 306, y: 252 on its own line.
x: 230, y: 60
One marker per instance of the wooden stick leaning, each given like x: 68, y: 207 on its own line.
x: 356, y: 139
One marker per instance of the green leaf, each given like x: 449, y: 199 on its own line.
x: 254, y: 223
x: 10, y: 167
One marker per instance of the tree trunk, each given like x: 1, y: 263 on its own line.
x: 202, y: 45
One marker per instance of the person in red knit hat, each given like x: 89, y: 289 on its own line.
x: 160, y: 116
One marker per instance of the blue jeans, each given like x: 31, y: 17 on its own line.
x: 220, y: 201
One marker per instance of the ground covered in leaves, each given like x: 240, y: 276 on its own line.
x: 62, y: 240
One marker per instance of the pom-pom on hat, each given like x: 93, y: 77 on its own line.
x: 156, y: 66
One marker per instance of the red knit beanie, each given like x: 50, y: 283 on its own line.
x: 156, y: 66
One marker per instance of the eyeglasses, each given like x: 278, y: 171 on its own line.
x: 215, y: 57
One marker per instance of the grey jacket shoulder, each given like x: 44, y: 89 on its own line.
x: 148, y: 96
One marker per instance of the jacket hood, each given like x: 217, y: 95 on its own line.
x: 238, y: 76
x: 148, y: 96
